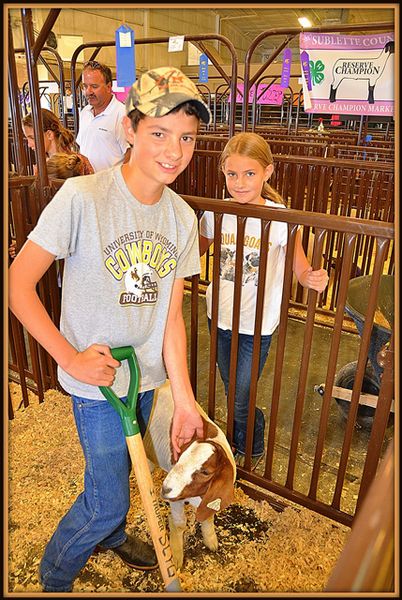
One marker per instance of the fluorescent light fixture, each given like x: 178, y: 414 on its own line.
x: 304, y: 22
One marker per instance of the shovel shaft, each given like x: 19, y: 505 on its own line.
x: 139, y: 461
x: 155, y: 520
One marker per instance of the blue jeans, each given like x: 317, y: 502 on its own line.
x: 243, y: 380
x: 98, y: 515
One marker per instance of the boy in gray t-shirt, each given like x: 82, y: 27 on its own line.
x: 128, y: 242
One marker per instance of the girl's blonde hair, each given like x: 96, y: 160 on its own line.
x: 253, y: 146
x: 64, y: 137
x: 63, y: 166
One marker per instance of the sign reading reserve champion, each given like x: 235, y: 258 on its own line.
x: 138, y: 259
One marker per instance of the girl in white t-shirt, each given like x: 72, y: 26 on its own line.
x: 247, y: 164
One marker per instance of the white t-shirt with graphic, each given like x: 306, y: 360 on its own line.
x: 278, y: 236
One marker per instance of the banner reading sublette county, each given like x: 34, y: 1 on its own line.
x: 349, y: 74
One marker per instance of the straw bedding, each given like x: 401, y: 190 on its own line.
x: 261, y: 550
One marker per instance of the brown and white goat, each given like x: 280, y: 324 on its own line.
x: 203, y: 476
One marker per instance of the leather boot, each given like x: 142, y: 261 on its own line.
x: 135, y: 553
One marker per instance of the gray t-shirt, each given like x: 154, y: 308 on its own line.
x: 121, y: 260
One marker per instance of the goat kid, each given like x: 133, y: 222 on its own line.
x: 203, y: 476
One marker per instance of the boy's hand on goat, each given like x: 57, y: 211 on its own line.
x: 203, y: 475
x: 186, y: 426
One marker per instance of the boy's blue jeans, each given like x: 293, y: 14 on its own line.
x: 243, y: 380
x: 98, y: 515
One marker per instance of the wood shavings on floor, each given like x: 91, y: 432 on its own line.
x: 260, y: 549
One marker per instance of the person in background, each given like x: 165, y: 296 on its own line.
x: 57, y: 138
x: 101, y: 135
x: 247, y: 164
x: 128, y: 242
x: 68, y: 99
x: 59, y: 166
x: 63, y: 166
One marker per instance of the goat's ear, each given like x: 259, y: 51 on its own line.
x: 220, y: 492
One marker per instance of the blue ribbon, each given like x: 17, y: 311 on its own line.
x: 125, y: 56
x: 203, y: 69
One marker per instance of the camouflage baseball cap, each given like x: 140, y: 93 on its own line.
x: 158, y: 91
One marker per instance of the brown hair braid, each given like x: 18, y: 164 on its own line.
x: 63, y: 166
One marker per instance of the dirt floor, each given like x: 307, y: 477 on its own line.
x: 260, y: 549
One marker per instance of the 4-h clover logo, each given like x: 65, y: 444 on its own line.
x: 316, y: 69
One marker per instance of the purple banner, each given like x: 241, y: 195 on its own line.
x: 286, y: 66
x: 305, y: 63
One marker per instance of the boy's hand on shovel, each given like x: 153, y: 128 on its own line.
x: 95, y: 366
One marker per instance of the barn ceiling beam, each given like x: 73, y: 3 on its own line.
x: 44, y: 32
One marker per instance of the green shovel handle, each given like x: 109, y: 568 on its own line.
x: 126, y: 411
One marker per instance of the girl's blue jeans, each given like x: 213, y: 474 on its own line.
x: 98, y: 515
x: 243, y: 380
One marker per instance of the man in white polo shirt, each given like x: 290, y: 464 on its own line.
x: 101, y: 135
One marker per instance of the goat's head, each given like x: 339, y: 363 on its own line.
x: 389, y: 47
x: 203, y: 470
